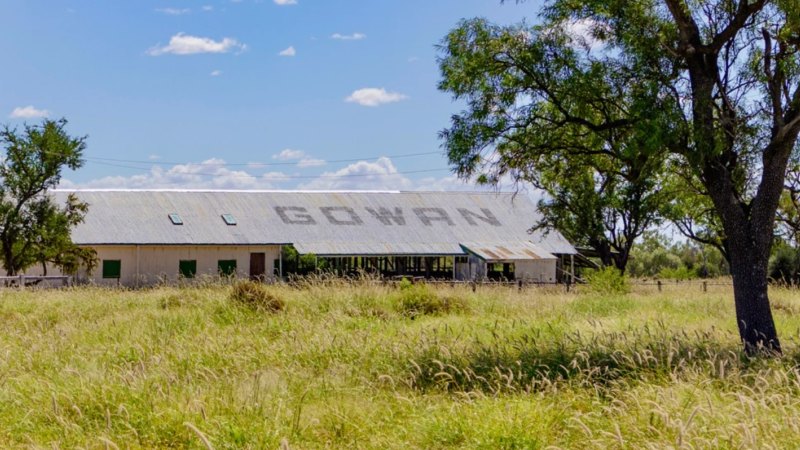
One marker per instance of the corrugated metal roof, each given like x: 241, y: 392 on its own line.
x: 325, y: 223
x: 506, y: 251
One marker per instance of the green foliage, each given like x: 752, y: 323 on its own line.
x: 676, y: 109
x: 33, y: 229
x: 296, y: 264
x: 416, y: 299
x: 784, y: 265
x: 657, y: 257
x: 256, y: 296
x: 606, y: 281
x: 588, y: 134
x: 678, y: 273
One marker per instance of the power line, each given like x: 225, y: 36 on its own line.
x: 98, y: 160
x: 281, y: 177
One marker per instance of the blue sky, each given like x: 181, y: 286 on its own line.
x: 240, y: 94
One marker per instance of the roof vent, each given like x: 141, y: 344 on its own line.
x: 229, y: 219
x: 175, y: 218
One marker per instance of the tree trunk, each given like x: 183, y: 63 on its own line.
x: 8, y: 260
x: 753, y: 312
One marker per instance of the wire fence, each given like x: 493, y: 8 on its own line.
x: 637, y: 285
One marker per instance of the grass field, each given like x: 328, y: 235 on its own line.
x: 364, y: 366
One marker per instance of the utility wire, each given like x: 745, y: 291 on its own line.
x: 280, y: 177
x: 98, y: 159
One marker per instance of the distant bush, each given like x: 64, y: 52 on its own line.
x: 607, y: 281
x: 784, y: 266
x: 678, y: 273
x: 255, y: 296
x: 419, y: 299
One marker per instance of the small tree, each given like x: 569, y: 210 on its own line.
x: 33, y: 228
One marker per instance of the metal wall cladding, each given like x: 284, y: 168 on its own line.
x: 325, y: 223
x: 507, y: 251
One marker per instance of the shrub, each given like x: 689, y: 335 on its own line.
x: 419, y: 299
x: 255, y: 296
x: 783, y: 266
x: 172, y: 301
x: 182, y: 298
x: 680, y: 273
x: 607, y: 281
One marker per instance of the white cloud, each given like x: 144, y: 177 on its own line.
x: 584, y: 33
x: 215, y: 73
x: 154, y: 157
x: 213, y: 173
x: 288, y: 52
x: 289, y: 154
x: 210, y: 174
x: 303, y: 159
x: 413, y: 59
x: 207, y: 8
x: 349, y: 37
x: 374, y: 97
x: 174, y: 11
x: 285, y: 2
x: 310, y: 162
x: 28, y: 112
x: 378, y: 175
x: 184, y: 44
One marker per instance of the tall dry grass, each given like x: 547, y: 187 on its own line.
x: 345, y: 365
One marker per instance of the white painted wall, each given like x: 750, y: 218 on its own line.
x: 146, y: 265
x: 537, y: 270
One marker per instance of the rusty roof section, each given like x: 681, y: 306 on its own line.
x: 324, y: 223
x: 506, y: 251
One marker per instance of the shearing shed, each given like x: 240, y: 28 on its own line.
x: 148, y: 236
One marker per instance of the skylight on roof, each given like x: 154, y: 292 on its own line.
x: 229, y: 219
x: 175, y: 218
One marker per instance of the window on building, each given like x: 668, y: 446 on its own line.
x: 187, y: 268
x: 226, y: 267
x: 175, y: 218
x: 112, y: 268
x: 229, y: 219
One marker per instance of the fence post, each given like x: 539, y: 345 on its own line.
x: 21, y: 282
x: 705, y: 286
x: 659, y: 285
x: 519, y: 285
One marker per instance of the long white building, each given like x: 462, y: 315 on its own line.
x: 144, y: 237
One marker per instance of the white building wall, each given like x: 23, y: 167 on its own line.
x: 148, y: 264
x: 536, y: 270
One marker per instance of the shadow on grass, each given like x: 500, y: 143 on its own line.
x: 536, y: 361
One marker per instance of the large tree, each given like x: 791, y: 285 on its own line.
x: 723, y: 82
x: 586, y: 134
x: 33, y: 228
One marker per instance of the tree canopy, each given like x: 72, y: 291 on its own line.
x: 33, y: 228
x: 705, y: 92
